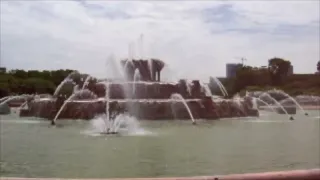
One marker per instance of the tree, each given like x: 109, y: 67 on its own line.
x: 244, y: 78
x: 59, y: 75
x: 34, y: 74
x: 19, y: 73
x: 278, y: 70
x: 39, y: 86
x: 318, y: 66
x: 4, y: 90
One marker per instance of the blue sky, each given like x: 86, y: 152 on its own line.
x: 195, y: 38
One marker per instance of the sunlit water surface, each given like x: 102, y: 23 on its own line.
x: 30, y: 148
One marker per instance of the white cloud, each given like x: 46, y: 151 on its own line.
x: 279, y: 12
x: 70, y: 34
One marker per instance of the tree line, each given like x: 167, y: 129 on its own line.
x: 276, y: 75
x: 31, y: 82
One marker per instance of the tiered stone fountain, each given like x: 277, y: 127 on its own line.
x: 146, y: 98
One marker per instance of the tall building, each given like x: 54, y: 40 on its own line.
x: 231, y: 69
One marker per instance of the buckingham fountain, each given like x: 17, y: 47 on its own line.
x: 160, y: 147
x: 140, y: 93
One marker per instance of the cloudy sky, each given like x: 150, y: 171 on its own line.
x: 195, y: 38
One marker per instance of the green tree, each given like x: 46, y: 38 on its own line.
x: 34, y: 74
x: 244, y: 78
x: 59, y: 75
x: 38, y: 85
x: 4, y: 89
x: 248, y: 76
x: 33, y: 81
x: 18, y: 73
x: 278, y: 70
x: 46, y: 75
x: 10, y: 83
x: 318, y: 66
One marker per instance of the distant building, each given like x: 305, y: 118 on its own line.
x: 3, y: 70
x: 231, y: 69
x: 290, y: 72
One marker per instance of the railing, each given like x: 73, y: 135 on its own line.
x: 312, y: 174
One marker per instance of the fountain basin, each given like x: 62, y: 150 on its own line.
x: 142, y: 109
x: 108, y: 133
x: 148, y: 90
x: 4, y: 109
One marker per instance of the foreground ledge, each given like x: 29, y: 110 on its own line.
x: 311, y: 174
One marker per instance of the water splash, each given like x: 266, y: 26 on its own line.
x: 123, y: 124
x: 189, y: 85
x: 125, y: 68
x: 4, y: 98
x: 178, y: 97
x: 265, y: 103
x: 76, y: 88
x: 107, y: 97
x: 150, y: 62
x: 254, y: 103
x: 279, y: 105
x: 86, y: 82
x: 10, y: 98
x: 136, y: 78
x: 66, y: 80
x: 23, y: 104
x: 292, y: 99
x: 206, y: 89
x: 220, y: 85
x: 114, y: 70
x: 237, y: 99
x: 81, y: 94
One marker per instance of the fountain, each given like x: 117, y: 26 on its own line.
x: 9, y: 98
x: 254, y: 103
x: 86, y: 82
x: 178, y: 97
x: 265, y: 103
x: 4, y: 98
x: 237, y: 99
x: 78, y: 94
x: 293, y: 100
x: 66, y: 80
x: 136, y: 78
x: 279, y: 105
x: 140, y: 95
x: 220, y: 85
x: 206, y: 89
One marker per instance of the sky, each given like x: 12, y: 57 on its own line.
x: 194, y: 38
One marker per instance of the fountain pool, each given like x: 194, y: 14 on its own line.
x: 170, y: 148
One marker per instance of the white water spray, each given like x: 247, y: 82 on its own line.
x: 178, y: 97
x: 279, y: 105
x: 221, y: 87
